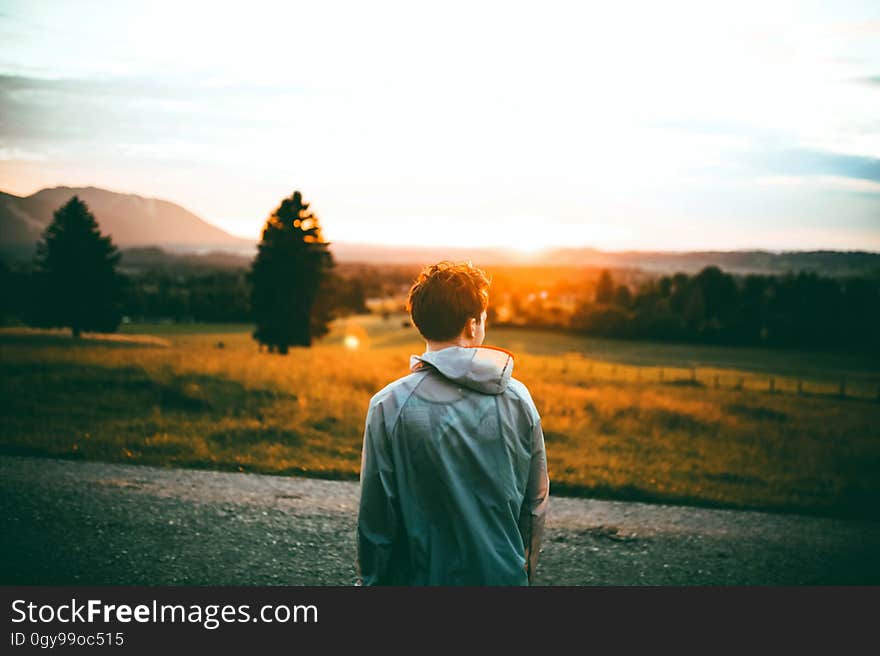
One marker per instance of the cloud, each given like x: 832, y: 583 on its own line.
x: 19, y: 155
x: 37, y: 112
x: 807, y: 162
x: 830, y: 182
x: 571, y: 116
x: 141, y: 86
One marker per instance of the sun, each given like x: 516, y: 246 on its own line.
x: 522, y: 236
x: 523, y: 243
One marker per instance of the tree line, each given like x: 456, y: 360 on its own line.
x: 793, y: 310
x: 292, y: 291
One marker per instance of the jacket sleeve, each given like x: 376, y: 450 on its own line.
x: 378, y: 514
x: 536, y: 501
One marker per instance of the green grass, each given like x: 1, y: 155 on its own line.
x: 184, y: 328
x: 170, y: 395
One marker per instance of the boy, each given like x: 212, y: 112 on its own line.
x: 454, y: 485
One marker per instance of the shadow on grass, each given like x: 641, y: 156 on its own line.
x: 116, y: 341
x: 271, y: 435
x: 73, y: 389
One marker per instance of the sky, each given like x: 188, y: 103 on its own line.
x: 619, y: 125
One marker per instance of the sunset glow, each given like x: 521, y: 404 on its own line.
x: 685, y: 125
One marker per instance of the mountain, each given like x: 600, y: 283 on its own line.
x: 131, y: 220
x: 828, y: 263
x: 157, y: 234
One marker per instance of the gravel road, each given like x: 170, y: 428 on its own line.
x: 67, y: 522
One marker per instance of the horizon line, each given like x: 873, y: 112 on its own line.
x: 518, y: 253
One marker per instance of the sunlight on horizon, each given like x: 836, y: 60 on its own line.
x: 618, y: 127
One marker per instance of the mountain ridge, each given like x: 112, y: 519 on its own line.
x: 131, y: 219
x: 140, y: 222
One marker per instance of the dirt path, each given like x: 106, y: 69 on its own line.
x: 95, y: 523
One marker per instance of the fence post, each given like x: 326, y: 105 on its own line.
x: 772, y: 384
x: 800, y: 388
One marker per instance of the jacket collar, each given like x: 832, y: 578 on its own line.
x: 486, y: 369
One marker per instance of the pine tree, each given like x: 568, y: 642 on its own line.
x: 288, y: 276
x: 605, y: 287
x: 76, y: 284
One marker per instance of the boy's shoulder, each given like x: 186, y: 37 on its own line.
x: 388, y: 402
x: 403, y: 385
x: 519, y: 388
x: 522, y: 394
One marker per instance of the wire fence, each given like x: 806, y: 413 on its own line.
x: 577, y: 368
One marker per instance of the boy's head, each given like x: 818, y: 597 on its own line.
x: 448, y: 303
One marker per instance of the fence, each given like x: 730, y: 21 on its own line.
x: 576, y: 367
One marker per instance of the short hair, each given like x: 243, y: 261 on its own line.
x: 444, y: 296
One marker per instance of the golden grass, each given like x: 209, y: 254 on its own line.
x: 611, y: 429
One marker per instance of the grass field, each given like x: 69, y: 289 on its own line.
x: 623, y: 420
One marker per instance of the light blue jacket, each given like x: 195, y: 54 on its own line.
x: 454, y: 485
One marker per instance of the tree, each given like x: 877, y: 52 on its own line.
x: 76, y: 284
x: 6, y: 278
x: 287, y: 276
x: 605, y: 287
x: 623, y: 296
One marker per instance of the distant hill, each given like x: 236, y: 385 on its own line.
x: 158, y: 234
x: 131, y: 220
x: 829, y: 263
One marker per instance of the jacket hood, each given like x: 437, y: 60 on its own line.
x: 486, y: 369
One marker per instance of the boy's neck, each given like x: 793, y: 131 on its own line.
x: 438, y: 346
